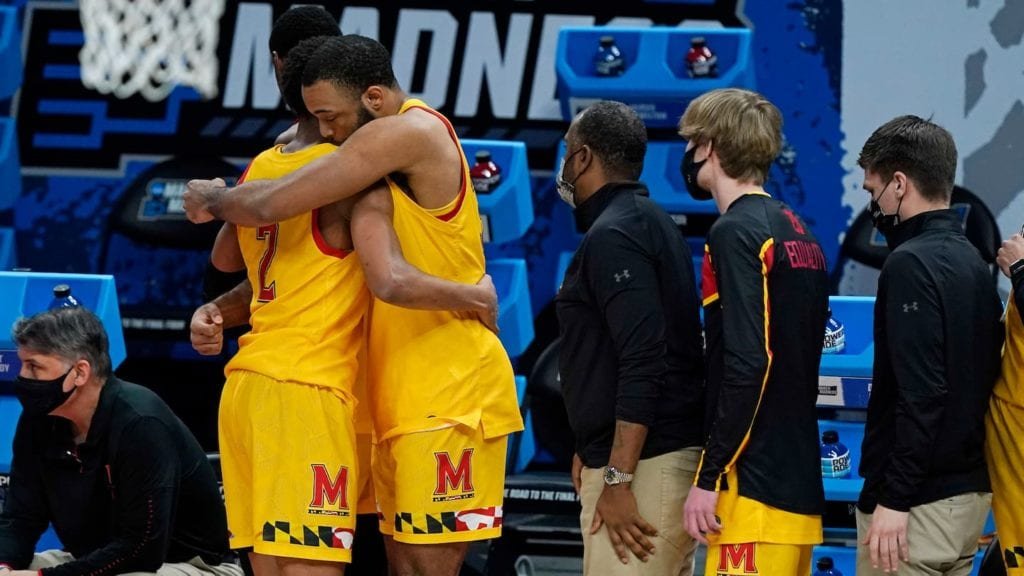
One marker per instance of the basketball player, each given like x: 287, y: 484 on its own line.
x: 758, y: 497
x: 441, y: 386
x: 293, y: 26
x: 1004, y: 425
x: 286, y: 407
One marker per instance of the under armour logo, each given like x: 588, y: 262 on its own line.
x: 624, y: 275
x: 912, y: 307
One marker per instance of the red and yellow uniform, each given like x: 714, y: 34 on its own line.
x: 287, y: 434
x: 441, y: 385
x: 1004, y: 427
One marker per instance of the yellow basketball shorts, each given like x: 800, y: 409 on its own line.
x: 1004, y: 428
x: 440, y: 486
x: 758, y: 559
x: 290, y: 469
x: 367, y: 497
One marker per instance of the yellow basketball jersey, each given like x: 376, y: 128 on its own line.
x: 1010, y: 385
x: 309, y: 299
x: 429, y: 369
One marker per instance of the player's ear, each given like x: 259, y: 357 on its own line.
x: 373, y: 98
x: 278, y: 62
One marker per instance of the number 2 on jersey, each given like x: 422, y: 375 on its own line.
x: 269, y: 233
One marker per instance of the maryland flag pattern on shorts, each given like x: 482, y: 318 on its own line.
x: 449, y: 522
x: 318, y: 536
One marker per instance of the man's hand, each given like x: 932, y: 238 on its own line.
x: 1011, y: 251
x: 577, y: 472
x: 198, y: 194
x: 616, y: 508
x: 887, y: 539
x: 699, y: 514
x: 488, y: 312
x: 207, y: 330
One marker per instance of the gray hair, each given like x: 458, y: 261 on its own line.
x: 71, y: 334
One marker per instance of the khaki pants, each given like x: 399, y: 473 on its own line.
x: 942, y: 535
x: 194, y: 567
x: 660, y: 486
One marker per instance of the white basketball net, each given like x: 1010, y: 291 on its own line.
x: 149, y: 46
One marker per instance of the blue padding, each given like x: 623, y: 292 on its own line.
x: 7, y: 254
x: 520, y: 389
x: 26, y: 293
x: 845, y: 378
x: 843, y: 557
x: 515, y: 317
x: 10, y: 166
x: 527, y: 447
x: 851, y: 434
x: 507, y: 211
x: 10, y: 410
x: 10, y: 52
x: 655, y: 82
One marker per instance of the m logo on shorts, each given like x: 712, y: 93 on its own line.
x: 330, y: 495
x: 734, y: 557
x: 451, y: 477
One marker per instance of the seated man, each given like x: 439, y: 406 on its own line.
x: 124, y: 483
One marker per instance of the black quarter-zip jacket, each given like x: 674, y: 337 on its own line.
x: 630, y: 327
x: 937, y: 355
x: 138, y: 493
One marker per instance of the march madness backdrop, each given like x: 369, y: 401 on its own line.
x: 836, y: 69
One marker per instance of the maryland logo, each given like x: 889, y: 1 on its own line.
x: 736, y: 559
x: 330, y: 494
x: 314, y: 537
x: 451, y: 477
x: 448, y: 522
x: 1014, y: 557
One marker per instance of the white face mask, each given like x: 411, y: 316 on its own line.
x: 566, y: 190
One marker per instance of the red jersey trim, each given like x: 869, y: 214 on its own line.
x: 321, y: 244
x: 462, y: 174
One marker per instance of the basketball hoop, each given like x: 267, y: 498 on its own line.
x: 149, y: 46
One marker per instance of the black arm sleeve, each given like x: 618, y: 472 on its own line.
x: 917, y: 351
x: 741, y: 262
x: 1017, y: 280
x: 26, y: 513
x: 146, y: 474
x: 623, y: 281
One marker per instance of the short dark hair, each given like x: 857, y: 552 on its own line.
x: 298, y: 24
x: 351, y: 62
x: 71, y: 334
x: 616, y: 135
x: 919, y: 148
x: 291, y: 77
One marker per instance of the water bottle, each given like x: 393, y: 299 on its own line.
x: 701, y: 62
x: 835, y: 456
x: 62, y: 297
x: 826, y: 567
x: 609, y: 60
x: 835, y: 336
x: 486, y: 175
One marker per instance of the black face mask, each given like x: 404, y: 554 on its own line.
x: 885, y: 223
x: 689, y: 169
x: 40, y: 397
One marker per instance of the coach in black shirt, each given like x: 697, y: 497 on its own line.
x: 630, y: 364
x: 125, y: 485
x: 937, y: 344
